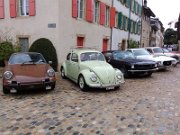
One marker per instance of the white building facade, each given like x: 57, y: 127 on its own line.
x: 128, y: 23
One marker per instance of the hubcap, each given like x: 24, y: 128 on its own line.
x: 62, y: 72
x: 81, y: 82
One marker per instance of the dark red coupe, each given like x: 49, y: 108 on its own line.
x: 27, y: 70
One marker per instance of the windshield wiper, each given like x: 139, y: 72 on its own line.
x: 28, y: 62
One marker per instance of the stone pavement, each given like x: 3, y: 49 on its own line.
x: 142, y: 106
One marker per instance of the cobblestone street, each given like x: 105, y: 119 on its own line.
x: 142, y: 106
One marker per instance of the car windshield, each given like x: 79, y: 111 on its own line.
x: 123, y: 55
x: 92, y: 56
x: 166, y: 50
x: 158, y: 50
x: 25, y: 58
x: 140, y: 52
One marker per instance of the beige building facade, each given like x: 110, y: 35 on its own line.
x: 55, y: 21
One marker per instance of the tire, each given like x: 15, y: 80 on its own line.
x: 149, y: 74
x: 6, y: 91
x: 123, y: 70
x: 82, y: 84
x: 63, y: 73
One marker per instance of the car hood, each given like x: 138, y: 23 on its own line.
x: 155, y: 58
x: 139, y: 61
x: 28, y: 72
x: 105, y: 72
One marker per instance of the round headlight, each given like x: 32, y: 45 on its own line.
x: 93, y: 77
x: 159, y: 63
x: 132, y: 66
x: 50, y: 72
x: 119, y: 76
x: 8, y: 75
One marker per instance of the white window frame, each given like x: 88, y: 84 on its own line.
x: 23, y: 7
x: 96, y: 11
x: 81, y: 9
x: 107, y: 19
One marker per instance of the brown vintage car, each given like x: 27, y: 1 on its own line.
x: 28, y: 70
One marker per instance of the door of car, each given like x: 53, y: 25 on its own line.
x: 74, y: 67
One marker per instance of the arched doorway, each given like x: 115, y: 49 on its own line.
x: 46, y: 48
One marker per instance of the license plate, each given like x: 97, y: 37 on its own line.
x: 48, y: 87
x: 109, y: 88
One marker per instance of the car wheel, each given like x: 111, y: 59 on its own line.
x: 6, y: 91
x: 82, y: 84
x: 149, y: 74
x: 63, y: 73
x: 123, y: 70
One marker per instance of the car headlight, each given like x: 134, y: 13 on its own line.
x: 155, y: 65
x: 51, y: 72
x: 159, y: 63
x: 93, y: 77
x: 132, y: 66
x: 8, y: 75
x: 119, y: 76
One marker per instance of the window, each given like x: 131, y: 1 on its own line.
x: 107, y: 16
x: 68, y: 56
x: 96, y: 11
x: 23, y: 7
x: 24, y: 43
x: 74, y: 57
x: 116, y: 19
x: 80, y: 41
x: 81, y: 9
x: 105, y: 45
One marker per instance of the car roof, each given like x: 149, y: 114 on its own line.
x: 25, y: 53
x: 152, y: 47
x: 83, y: 50
x: 135, y: 48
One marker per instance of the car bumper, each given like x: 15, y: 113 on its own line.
x: 106, y: 86
x: 148, y: 70
x: 47, y: 85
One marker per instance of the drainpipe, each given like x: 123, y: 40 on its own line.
x: 129, y: 25
x: 141, y: 24
x: 111, y: 36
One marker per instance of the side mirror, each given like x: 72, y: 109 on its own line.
x: 109, y: 59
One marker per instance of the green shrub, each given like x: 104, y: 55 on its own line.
x: 6, y: 49
x: 45, y: 47
x: 133, y: 44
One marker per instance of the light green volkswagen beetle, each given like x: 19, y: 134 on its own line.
x: 88, y: 68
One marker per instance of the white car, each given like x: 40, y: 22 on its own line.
x: 157, y: 51
x: 162, y: 61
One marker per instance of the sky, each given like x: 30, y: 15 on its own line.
x: 165, y: 10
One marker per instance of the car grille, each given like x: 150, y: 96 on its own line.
x: 167, y: 63
x: 144, y: 67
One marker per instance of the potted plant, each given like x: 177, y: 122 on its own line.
x: 6, y: 49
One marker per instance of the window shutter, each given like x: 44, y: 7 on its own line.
x: 124, y: 23
x: 89, y: 10
x: 102, y: 13
x: 74, y: 9
x: 112, y: 16
x: 119, y: 20
x: 12, y: 8
x: 32, y: 10
x: 1, y: 9
x: 129, y: 24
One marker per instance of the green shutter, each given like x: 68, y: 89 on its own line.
x: 119, y: 19
x: 129, y: 24
x: 134, y: 6
x: 124, y: 23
